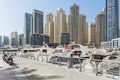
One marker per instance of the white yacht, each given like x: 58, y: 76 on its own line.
x: 75, y: 51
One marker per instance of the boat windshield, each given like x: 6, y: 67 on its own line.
x: 73, y: 46
x: 58, y: 51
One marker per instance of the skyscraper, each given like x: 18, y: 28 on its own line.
x: 37, y: 27
x: 39, y: 39
x: 49, y: 27
x: 21, y: 39
x: 112, y: 19
x: 60, y: 25
x: 100, y: 28
x: 5, y: 40
x: 14, y: 39
x: 83, y: 30
x: 119, y: 17
x: 73, y: 23
x: 89, y: 37
x: 65, y: 38
x: 93, y: 33
x: 27, y: 27
x: 0, y: 41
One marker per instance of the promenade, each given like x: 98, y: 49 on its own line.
x: 8, y: 72
x: 26, y: 69
x: 36, y: 70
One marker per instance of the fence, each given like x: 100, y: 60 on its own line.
x: 107, y: 68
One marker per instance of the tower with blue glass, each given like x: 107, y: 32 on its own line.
x: 0, y: 41
x: 112, y: 19
x: 27, y: 27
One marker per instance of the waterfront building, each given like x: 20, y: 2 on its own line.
x: 112, y: 19
x: 27, y: 27
x: 104, y: 45
x: 93, y: 34
x: 5, y: 40
x: 14, y: 39
x: 83, y: 30
x: 0, y: 41
x: 39, y: 39
x: 74, y: 23
x: 100, y: 28
x: 49, y: 27
x: 65, y: 37
x: 113, y: 44
x: 21, y: 39
x: 37, y: 27
x: 60, y: 25
x: 109, y: 44
x: 89, y: 37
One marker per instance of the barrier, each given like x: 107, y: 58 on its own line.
x: 107, y: 68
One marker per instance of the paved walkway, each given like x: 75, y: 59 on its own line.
x: 35, y: 70
x: 8, y: 72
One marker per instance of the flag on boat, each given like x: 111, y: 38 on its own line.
x: 65, y: 47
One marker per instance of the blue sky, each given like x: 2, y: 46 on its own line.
x: 12, y: 11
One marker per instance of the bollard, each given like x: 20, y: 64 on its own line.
x: 33, y: 57
x: 80, y: 65
x: 41, y: 58
x: 59, y: 61
x: 37, y: 57
x: 70, y: 65
x: 53, y: 60
x: 96, y: 63
x: 46, y: 58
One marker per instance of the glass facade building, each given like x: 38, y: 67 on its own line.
x: 14, y: 39
x: 65, y: 37
x: 39, y: 39
x: 37, y: 22
x: 0, y: 41
x: 112, y: 19
x: 119, y: 17
x: 13, y: 42
x: 21, y: 39
x: 5, y: 40
x: 27, y: 27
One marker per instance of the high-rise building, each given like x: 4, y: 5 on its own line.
x: 86, y: 34
x: 60, y: 25
x: 0, y: 41
x: 119, y: 17
x: 65, y: 37
x: 100, y: 28
x: 27, y: 27
x: 21, y: 39
x: 5, y: 40
x: 14, y: 39
x: 83, y: 30
x: 49, y: 27
x: 112, y: 19
x: 93, y: 33
x: 74, y: 24
x: 89, y: 37
x: 37, y: 27
x: 39, y: 39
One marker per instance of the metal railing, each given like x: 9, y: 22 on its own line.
x: 108, y: 68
